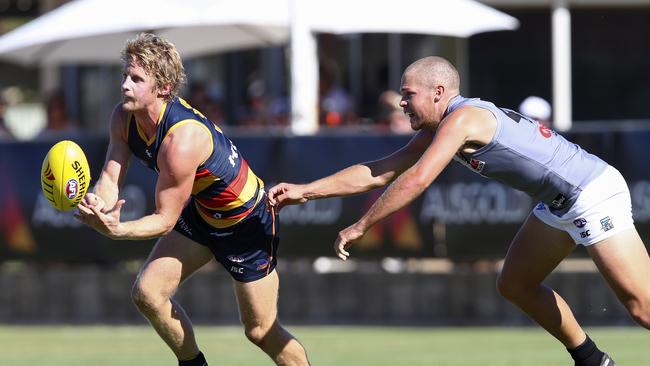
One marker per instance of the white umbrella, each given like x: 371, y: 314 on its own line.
x: 458, y: 18
x: 94, y: 31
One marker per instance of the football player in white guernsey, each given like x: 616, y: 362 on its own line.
x: 583, y: 200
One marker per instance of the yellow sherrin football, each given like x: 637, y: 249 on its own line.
x: 65, y: 175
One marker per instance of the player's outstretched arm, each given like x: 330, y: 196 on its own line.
x: 286, y: 194
x: 409, y: 185
x: 115, y: 166
x: 355, y: 179
x: 179, y: 156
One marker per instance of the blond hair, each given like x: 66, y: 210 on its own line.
x: 159, y: 58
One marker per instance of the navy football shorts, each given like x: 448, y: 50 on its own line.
x: 247, y: 249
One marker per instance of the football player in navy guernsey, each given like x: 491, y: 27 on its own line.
x: 209, y: 204
x: 582, y: 199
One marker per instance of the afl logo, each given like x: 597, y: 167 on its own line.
x: 545, y: 131
x: 71, y: 189
x: 580, y: 223
x: 235, y: 259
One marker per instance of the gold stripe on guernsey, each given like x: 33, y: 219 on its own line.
x: 162, y: 112
x: 203, y: 183
x: 143, y: 135
x: 186, y: 121
x: 249, y: 190
x: 188, y: 106
x: 221, y: 223
x: 224, y: 223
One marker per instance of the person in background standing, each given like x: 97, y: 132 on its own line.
x: 538, y: 109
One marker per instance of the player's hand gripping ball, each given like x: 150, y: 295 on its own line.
x: 65, y: 175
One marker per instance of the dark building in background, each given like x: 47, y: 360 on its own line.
x: 610, y: 49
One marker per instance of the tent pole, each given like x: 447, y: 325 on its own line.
x: 562, y: 92
x: 304, y: 73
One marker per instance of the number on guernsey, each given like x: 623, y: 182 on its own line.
x: 517, y: 117
x: 233, y: 154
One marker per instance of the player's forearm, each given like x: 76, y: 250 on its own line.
x: 402, y: 192
x: 353, y: 180
x: 147, y: 227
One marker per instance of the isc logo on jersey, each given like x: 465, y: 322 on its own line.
x: 65, y: 175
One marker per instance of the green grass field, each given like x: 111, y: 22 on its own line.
x: 327, y: 346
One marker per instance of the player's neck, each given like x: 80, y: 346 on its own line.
x: 444, y: 104
x: 151, y: 116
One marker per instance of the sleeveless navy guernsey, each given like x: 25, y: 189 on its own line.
x: 225, y: 189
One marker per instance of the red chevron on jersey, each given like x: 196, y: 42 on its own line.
x: 231, y: 193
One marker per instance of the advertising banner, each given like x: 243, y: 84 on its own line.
x: 461, y: 216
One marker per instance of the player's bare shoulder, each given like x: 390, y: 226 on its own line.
x: 119, y: 119
x: 190, y: 139
x: 480, y: 124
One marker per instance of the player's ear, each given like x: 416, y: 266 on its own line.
x: 438, y: 91
x: 166, y: 90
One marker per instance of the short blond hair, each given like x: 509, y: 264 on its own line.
x: 159, y: 58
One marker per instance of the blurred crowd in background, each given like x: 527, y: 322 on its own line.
x: 336, y: 109
x: 359, y: 76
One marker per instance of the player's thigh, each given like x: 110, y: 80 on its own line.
x: 172, y: 260
x: 534, y: 252
x: 258, y: 300
x: 623, y: 261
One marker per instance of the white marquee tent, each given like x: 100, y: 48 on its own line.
x: 94, y: 31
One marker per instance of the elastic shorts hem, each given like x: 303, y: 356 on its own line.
x: 254, y: 277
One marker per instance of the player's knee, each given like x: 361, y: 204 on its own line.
x: 640, y: 312
x: 508, y: 288
x: 146, y: 299
x: 257, y: 334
